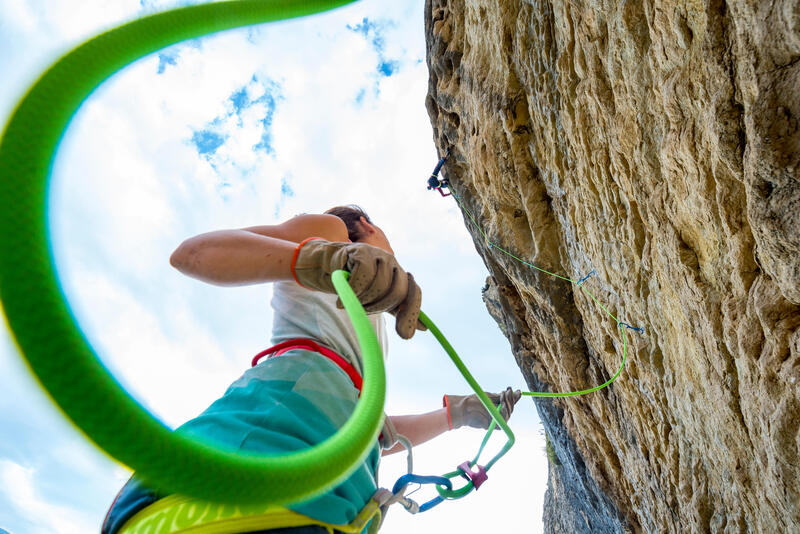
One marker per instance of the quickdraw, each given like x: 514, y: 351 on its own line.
x: 434, y: 182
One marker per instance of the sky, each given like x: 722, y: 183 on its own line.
x: 246, y: 127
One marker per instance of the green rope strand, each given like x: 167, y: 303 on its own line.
x: 46, y: 333
x: 582, y: 288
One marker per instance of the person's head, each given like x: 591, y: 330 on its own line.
x: 360, y: 228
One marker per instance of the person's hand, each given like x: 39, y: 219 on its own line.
x: 468, y: 410
x: 378, y: 281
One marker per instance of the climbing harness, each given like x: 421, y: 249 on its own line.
x: 313, y: 346
x: 179, y: 514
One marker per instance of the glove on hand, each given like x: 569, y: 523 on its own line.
x: 375, y: 277
x: 469, y: 411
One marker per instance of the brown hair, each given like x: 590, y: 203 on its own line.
x: 350, y: 214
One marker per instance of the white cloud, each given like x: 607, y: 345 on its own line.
x: 21, y: 16
x: 19, y: 485
x: 177, y: 375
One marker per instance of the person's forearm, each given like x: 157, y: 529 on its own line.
x: 419, y: 428
x: 234, y: 258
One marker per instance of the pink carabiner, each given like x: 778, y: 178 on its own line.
x: 476, y: 478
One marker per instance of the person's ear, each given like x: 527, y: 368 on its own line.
x: 366, y: 225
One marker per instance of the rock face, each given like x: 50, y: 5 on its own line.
x: 658, y: 144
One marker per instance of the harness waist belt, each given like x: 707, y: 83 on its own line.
x: 310, y: 344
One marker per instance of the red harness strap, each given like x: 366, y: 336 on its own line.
x: 308, y: 344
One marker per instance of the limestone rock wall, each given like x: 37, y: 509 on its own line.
x: 657, y: 143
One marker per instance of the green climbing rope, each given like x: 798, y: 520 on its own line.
x: 497, y: 419
x: 580, y: 285
x: 46, y: 332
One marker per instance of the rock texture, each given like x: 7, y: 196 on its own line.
x: 657, y: 143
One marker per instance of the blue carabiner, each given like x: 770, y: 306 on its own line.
x: 422, y: 479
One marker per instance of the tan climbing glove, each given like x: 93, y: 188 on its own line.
x: 469, y: 411
x: 375, y: 277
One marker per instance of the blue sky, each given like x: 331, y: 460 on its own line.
x: 246, y: 127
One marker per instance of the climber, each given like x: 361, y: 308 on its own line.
x: 307, y: 390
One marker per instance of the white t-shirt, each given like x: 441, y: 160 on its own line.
x: 304, y: 313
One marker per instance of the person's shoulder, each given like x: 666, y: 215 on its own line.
x: 327, y: 226
x: 301, y: 227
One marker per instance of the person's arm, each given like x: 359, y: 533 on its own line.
x: 419, y: 428
x: 252, y: 255
x: 458, y: 411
